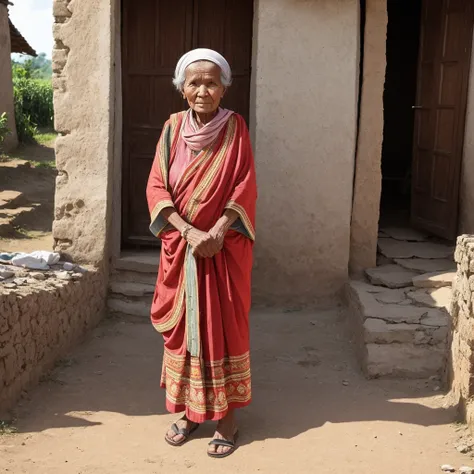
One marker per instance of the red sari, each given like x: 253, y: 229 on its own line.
x: 201, y: 306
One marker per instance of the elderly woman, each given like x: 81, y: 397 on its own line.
x: 201, y: 194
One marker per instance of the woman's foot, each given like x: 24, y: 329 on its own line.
x: 226, y: 430
x: 180, y: 431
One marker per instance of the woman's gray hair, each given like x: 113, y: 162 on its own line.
x: 201, y: 54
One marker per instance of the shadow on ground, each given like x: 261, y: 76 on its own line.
x: 30, y: 170
x: 304, y: 376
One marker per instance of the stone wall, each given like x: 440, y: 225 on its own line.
x: 83, y: 82
x: 462, y: 315
x: 40, y: 322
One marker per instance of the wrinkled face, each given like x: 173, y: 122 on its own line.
x: 203, y: 87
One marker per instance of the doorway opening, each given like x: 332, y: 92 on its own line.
x: 403, y: 37
x: 429, y: 46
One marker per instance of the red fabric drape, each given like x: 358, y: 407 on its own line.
x: 219, y: 177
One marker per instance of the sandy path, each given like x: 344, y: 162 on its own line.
x: 102, y: 410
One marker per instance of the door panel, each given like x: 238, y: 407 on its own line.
x: 444, y: 59
x: 155, y: 34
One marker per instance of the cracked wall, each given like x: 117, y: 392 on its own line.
x: 83, y: 82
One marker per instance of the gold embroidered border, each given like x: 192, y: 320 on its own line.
x: 243, y: 216
x: 200, y: 160
x: 213, y: 363
x: 164, y: 154
x: 193, y: 204
x: 175, y: 312
x: 166, y: 145
x: 211, y: 386
x: 156, y: 212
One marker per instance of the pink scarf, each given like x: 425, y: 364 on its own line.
x: 195, y: 139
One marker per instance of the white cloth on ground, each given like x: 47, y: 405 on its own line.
x: 39, y: 260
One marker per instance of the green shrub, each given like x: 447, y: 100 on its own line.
x: 33, y: 103
x: 4, y: 130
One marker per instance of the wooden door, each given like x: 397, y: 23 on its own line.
x: 443, y: 74
x: 155, y: 34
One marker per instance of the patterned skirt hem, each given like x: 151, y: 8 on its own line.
x: 209, y: 416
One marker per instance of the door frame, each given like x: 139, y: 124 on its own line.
x: 367, y: 171
x: 115, y: 182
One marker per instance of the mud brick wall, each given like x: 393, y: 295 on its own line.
x: 39, y: 323
x: 461, y: 366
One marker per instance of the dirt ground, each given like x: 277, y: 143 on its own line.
x: 30, y: 170
x: 102, y: 411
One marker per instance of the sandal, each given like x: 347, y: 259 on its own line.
x: 225, y: 443
x: 181, y: 431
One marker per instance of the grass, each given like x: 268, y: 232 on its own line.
x: 7, y: 428
x: 46, y: 138
x: 49, y: 165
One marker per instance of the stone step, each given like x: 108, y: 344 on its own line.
x: 138, y: 261
x: 124, y: 276
x: 131, y: 289
x: 129, y: 307
x: 391, y: 276
x: 404, y: 234
x: 434, y: 280
x: 404, y: 361
x: 398, y: 338
x: 11, y: 199
x: 434, y: 298
x: 392, y: 248
x: 424, y: 265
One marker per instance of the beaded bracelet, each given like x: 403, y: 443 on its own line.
x: 185, y: 231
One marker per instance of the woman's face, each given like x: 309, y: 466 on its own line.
x: 203, y: 87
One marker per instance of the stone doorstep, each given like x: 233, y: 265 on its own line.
x: 124, y: 276
x: 132, y: 308
x: 139, y: 261
x: 404, y: 360
x: 434, y: 280
x: 366, y: 300
x: 437, y: 298
x: 395, y: 296
x: 11, y: 199
x: 398, y: 341
x: 131, y: 289
x: 404, y: 234
x: 391, y: 276
x: 424, y: 265
x: 377, y: 331
x: 392, y: 248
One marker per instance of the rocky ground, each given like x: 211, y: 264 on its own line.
x: 19, y: 280
x: 101, y: 410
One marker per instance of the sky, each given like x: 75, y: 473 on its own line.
x: 34, y: 19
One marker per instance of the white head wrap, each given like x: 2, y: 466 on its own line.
x: 202, y: 54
